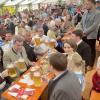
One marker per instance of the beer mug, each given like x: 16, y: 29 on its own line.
x: 46, y: 67
x: 32, y: 70
x: 37, y: 41
x: 21, y: 65
x: 52, y: 44
x: 12, y: 71
x: 37, y: 78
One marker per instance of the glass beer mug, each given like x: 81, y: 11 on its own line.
x: 21, y: 65
x: 37, y: 78
x: 12, y: 71
x: 37, y: 41
x: 52, y: 44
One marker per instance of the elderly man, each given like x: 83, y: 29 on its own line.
x: 42, y: 48
x: 28, y: 46
x: 16, y: 52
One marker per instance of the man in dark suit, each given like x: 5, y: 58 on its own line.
x: 29, y: 47
x: 65, y: 85
x: 83, y: 48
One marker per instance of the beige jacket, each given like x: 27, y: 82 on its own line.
x: 11, y: 56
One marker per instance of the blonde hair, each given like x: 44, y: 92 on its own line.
x: 78, y: 62
x: 17, y: 38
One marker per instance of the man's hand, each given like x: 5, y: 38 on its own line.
x: 5, y: 73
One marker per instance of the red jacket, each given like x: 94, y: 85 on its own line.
x: 96, y: 82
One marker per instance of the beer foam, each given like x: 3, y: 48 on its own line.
x: 37, y: 73
x: 37, y: 67
x: 52, y: 40
x: 37, y: 37
x: 10, y: 66
x: 33, y: 69
x: 21, y: 60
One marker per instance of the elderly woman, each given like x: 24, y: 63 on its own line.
x: 51, y: 32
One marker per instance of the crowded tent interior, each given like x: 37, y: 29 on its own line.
x: 49, y: 50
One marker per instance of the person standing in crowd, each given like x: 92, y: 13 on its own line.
x: 65, y: 85
x: 90, y: 22
x: 83, y: 48
x: 98, y: 8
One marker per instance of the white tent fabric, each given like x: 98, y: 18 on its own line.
x: 31, y: 1
x: 76, y: 2
x: 37, y: 1
x: 13, y: 3
x: 25, y: 2
x: 2, y: 1
x: 50, y: 1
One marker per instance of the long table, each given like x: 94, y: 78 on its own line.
x: 38, y: 90
x: 95, y: 95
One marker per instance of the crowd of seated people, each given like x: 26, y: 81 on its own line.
x: 28, y: 36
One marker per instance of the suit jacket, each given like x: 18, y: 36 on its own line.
x: 90, y: 22
x: 30, y: 52
x: 98, y: 36
x: 11, y: 56
x: 66, y: 88
x: 1, y: 60
x: 84, y: 51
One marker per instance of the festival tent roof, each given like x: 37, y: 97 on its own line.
x: 2, y: 1
x: 50, y: 1
x: 37, y: 1
x: 31, y: 1
x: 25, y: 2
x: 12, y: 3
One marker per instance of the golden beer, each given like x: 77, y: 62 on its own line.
x: 52, y: 44
x: 21, y: 65
x: 32, y: 70
x: 37, y: 79
x: 37, y: 41
x: 12, y: 71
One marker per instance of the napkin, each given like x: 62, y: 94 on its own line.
x: 14, y: 86
x: 27, y: 80
x: 16, y: 95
